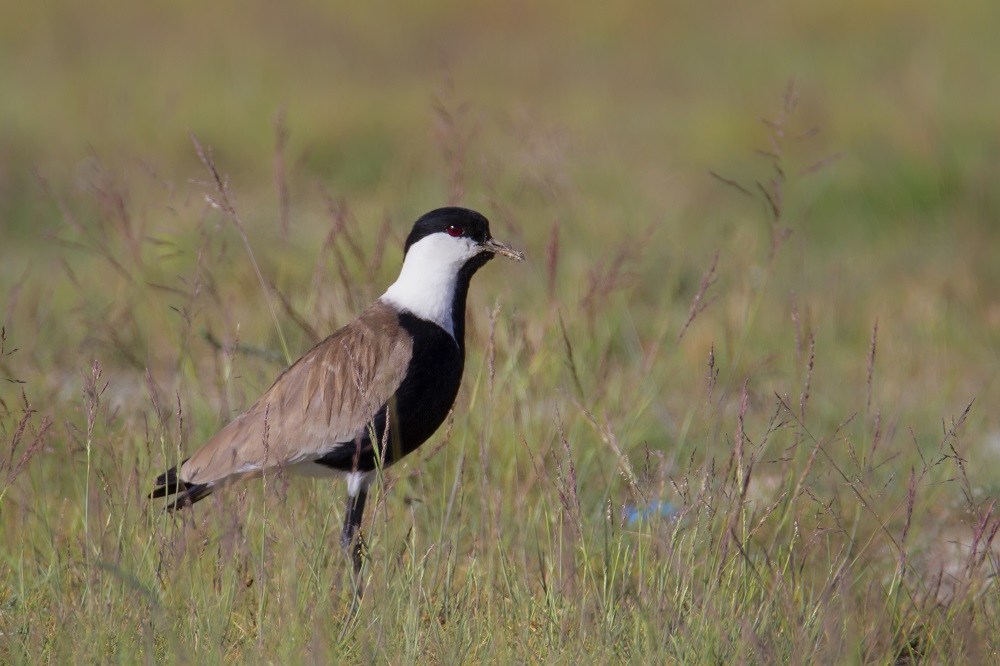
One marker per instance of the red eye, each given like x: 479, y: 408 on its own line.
x: 454, y: 232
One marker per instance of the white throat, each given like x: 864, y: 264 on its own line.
x: 426, y: 284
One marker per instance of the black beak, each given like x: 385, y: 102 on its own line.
x: 496, y: 247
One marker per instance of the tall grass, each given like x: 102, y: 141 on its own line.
x: 660, y: 453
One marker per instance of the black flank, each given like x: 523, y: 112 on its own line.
x: 421, y: 403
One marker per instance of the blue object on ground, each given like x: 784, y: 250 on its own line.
x: 655, y: 508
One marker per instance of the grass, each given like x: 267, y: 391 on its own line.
x: 796, y: 355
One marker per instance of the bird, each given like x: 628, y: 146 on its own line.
x: 367, y: 395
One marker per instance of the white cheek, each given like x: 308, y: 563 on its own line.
x: 439, y: 252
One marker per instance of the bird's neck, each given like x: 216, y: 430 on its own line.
x: 434, y: 296
x: 435, y: 292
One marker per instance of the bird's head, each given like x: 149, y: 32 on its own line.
x: 454, y: 239
x: 446, y: 247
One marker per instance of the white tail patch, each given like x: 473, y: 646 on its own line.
x: 356, y: 481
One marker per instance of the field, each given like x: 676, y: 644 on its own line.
x: 738, y: 406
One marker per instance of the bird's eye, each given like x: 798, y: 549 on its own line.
x: 454, y: 232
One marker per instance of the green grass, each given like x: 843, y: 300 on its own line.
x: 793, y: 377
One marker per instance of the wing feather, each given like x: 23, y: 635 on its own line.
x: 327, y: 398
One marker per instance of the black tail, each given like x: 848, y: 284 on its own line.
x: 179, y: 492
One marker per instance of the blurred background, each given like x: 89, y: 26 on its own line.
x: 599, y: 124
x: 642, y: 97
x: 711, y: 195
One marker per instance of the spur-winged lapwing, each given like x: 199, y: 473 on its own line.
x: 400, y: 363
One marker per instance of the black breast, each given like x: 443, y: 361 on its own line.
x: 418, y: 407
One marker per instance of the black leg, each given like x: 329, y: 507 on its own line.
x: 350, y: 538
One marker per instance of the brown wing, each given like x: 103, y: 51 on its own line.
x: 325, y: 399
